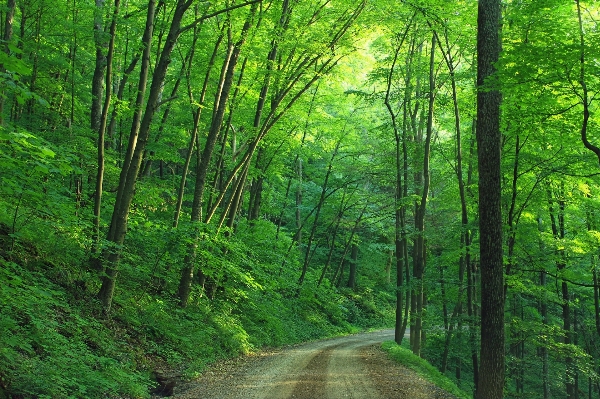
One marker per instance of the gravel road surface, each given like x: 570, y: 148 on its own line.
x: 339, y: 368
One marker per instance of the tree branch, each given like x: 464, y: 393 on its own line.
x: 214, y: 14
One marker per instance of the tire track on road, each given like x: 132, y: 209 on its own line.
x: 329, y: 369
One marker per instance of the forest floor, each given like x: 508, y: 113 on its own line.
x: 345, y: 367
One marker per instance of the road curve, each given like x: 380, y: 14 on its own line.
x: 336, y: 368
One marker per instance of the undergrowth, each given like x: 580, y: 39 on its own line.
x: 423, y: 368
x: 56, y: 342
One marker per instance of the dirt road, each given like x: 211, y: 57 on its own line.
x: 346, y: 367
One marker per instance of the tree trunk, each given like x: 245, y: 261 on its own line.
x: 112, y: 125
x: 221, y: 99
x: 557, y: 220
x: 101, y: 139
x: 118, y: 227
x: 219, y: 175
x: 318, y: 212
x: 137, y: 143
x: 337, y: 276
x: 400, y: 191
x: 8, y: 32
x: 279, y: 31
x: 353, y: 266
x: 464, y: 261
x: 419, y: 246
x: 596, y: 298
x: 100, y: 67
x: 491, y: 372
x: 337, y: 221
x: 196, y: 117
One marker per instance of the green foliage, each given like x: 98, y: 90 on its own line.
x: 61, y: 345
x: 423, y: 368
x: 51, y: 349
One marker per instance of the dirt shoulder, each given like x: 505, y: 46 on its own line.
x: 346, y: 367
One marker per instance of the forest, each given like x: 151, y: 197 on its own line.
x: 184, y: 181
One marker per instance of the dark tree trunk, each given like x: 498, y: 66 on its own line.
x: 400, y: 242
x: 280, y: 30
x: 491, y: 372
x: 557, y: 220
x: 420, y: 208
x: 596, y: 299
x: 353, y: 266
x: 117, y: 230
x: 337, y: 221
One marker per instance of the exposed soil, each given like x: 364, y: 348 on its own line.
x: 346, y: 367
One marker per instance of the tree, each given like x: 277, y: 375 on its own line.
x: 491, y: 372
x: 137, y: 143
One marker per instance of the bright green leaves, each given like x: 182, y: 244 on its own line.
x: 47, y: 348
x: 31, y: 174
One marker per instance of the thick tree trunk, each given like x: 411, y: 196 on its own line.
x: 491, y: 372
x: 117, y: 230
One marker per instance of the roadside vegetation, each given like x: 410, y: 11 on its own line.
x: 406, y: 358
x: 57, y: 344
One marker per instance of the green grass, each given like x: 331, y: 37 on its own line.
x: 423, y: 368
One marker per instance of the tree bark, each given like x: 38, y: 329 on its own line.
x: 420, y: 208
x: 196, y: 117
x: 279, y: 31
x: 491, y: 371
x: 117, y: 230
x: 543, y: 309
x: 400, y: 190
x: 337, y: 222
